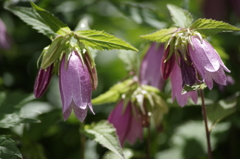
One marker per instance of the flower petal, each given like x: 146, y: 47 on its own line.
x: 150, y: 67
x: 176, y: 82
x: 204, y: 56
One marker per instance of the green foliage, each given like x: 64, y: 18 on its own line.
x: 102, y: 41
x: 30, y: 16
x: 209, y: 27
x: 53, y: 22
x: 113, y: 94
x: 8, y: 148
x: 222, y: 109
x: 180, y: 17
x: 162, y: 35
x: 105, y: 134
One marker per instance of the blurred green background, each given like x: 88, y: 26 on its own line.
x: 182, y: 134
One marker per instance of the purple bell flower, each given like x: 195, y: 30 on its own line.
x: 75, y: 86
x: 42, y: 81
x: 207, y: 62
x: 128, y: 124
x: 150, y: 68
x: 176, y: 82
x: 4, y: 37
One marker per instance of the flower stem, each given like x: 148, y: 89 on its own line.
x: 204, y: 113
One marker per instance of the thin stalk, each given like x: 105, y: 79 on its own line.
x: 204, y: 113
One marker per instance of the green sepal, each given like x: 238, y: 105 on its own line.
x: 209, y: 27
x: 54, y: 51
x: 181, y: 17
x: 102, y: 41
x: 53, y: 22
x: 188, y: 88
x: 162, y: 35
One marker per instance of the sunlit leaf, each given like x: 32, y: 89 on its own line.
x: 53, y: 22
x: 182, y: 18
x: 105, y: 134
x: 102, y: 41
x: 209, y: 27
x: 162, y: 35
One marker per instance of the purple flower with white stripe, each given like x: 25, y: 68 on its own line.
x: 75, y: 86
x: 4, y: 37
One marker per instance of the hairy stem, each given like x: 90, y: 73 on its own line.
x: 204, y: 113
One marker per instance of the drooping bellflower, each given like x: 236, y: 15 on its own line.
x: 4, y: 37
x: 128, y: 125
x: 190, y: 60
x: 75, y: 86
x: 150, y: 68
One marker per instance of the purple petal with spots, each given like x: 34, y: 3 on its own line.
x: 150, y: 67
x: 75, y: 87
x: 127, y: 125
x: 176, y: 82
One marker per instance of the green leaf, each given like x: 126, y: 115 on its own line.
x: 14, y: 119
x: 114, y: 93
x: 8, y: 148
x: 162, y: 35
x: 209, y: 27
x: 105, y: 134
x: 30, y: 16
x: 182, y: 18
x: 53, y: 22
x: 141, y: 13
x: 222, y: 109
x: 102, y: 41
x: 53, y: 52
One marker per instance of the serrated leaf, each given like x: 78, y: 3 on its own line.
x: 222, y: 109
x: 113, y: 94
x: 11, y: 120
x: 8, y: 148
x: 102, y: 41
x: 32, y: 18
x: 105, y: 134
x: 53, y: 22
x: 162, y: 35
x: 181, y: 17
x: 209, y: 27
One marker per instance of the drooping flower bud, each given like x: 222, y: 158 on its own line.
x: 42, y: 81
x: 75, y: 86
